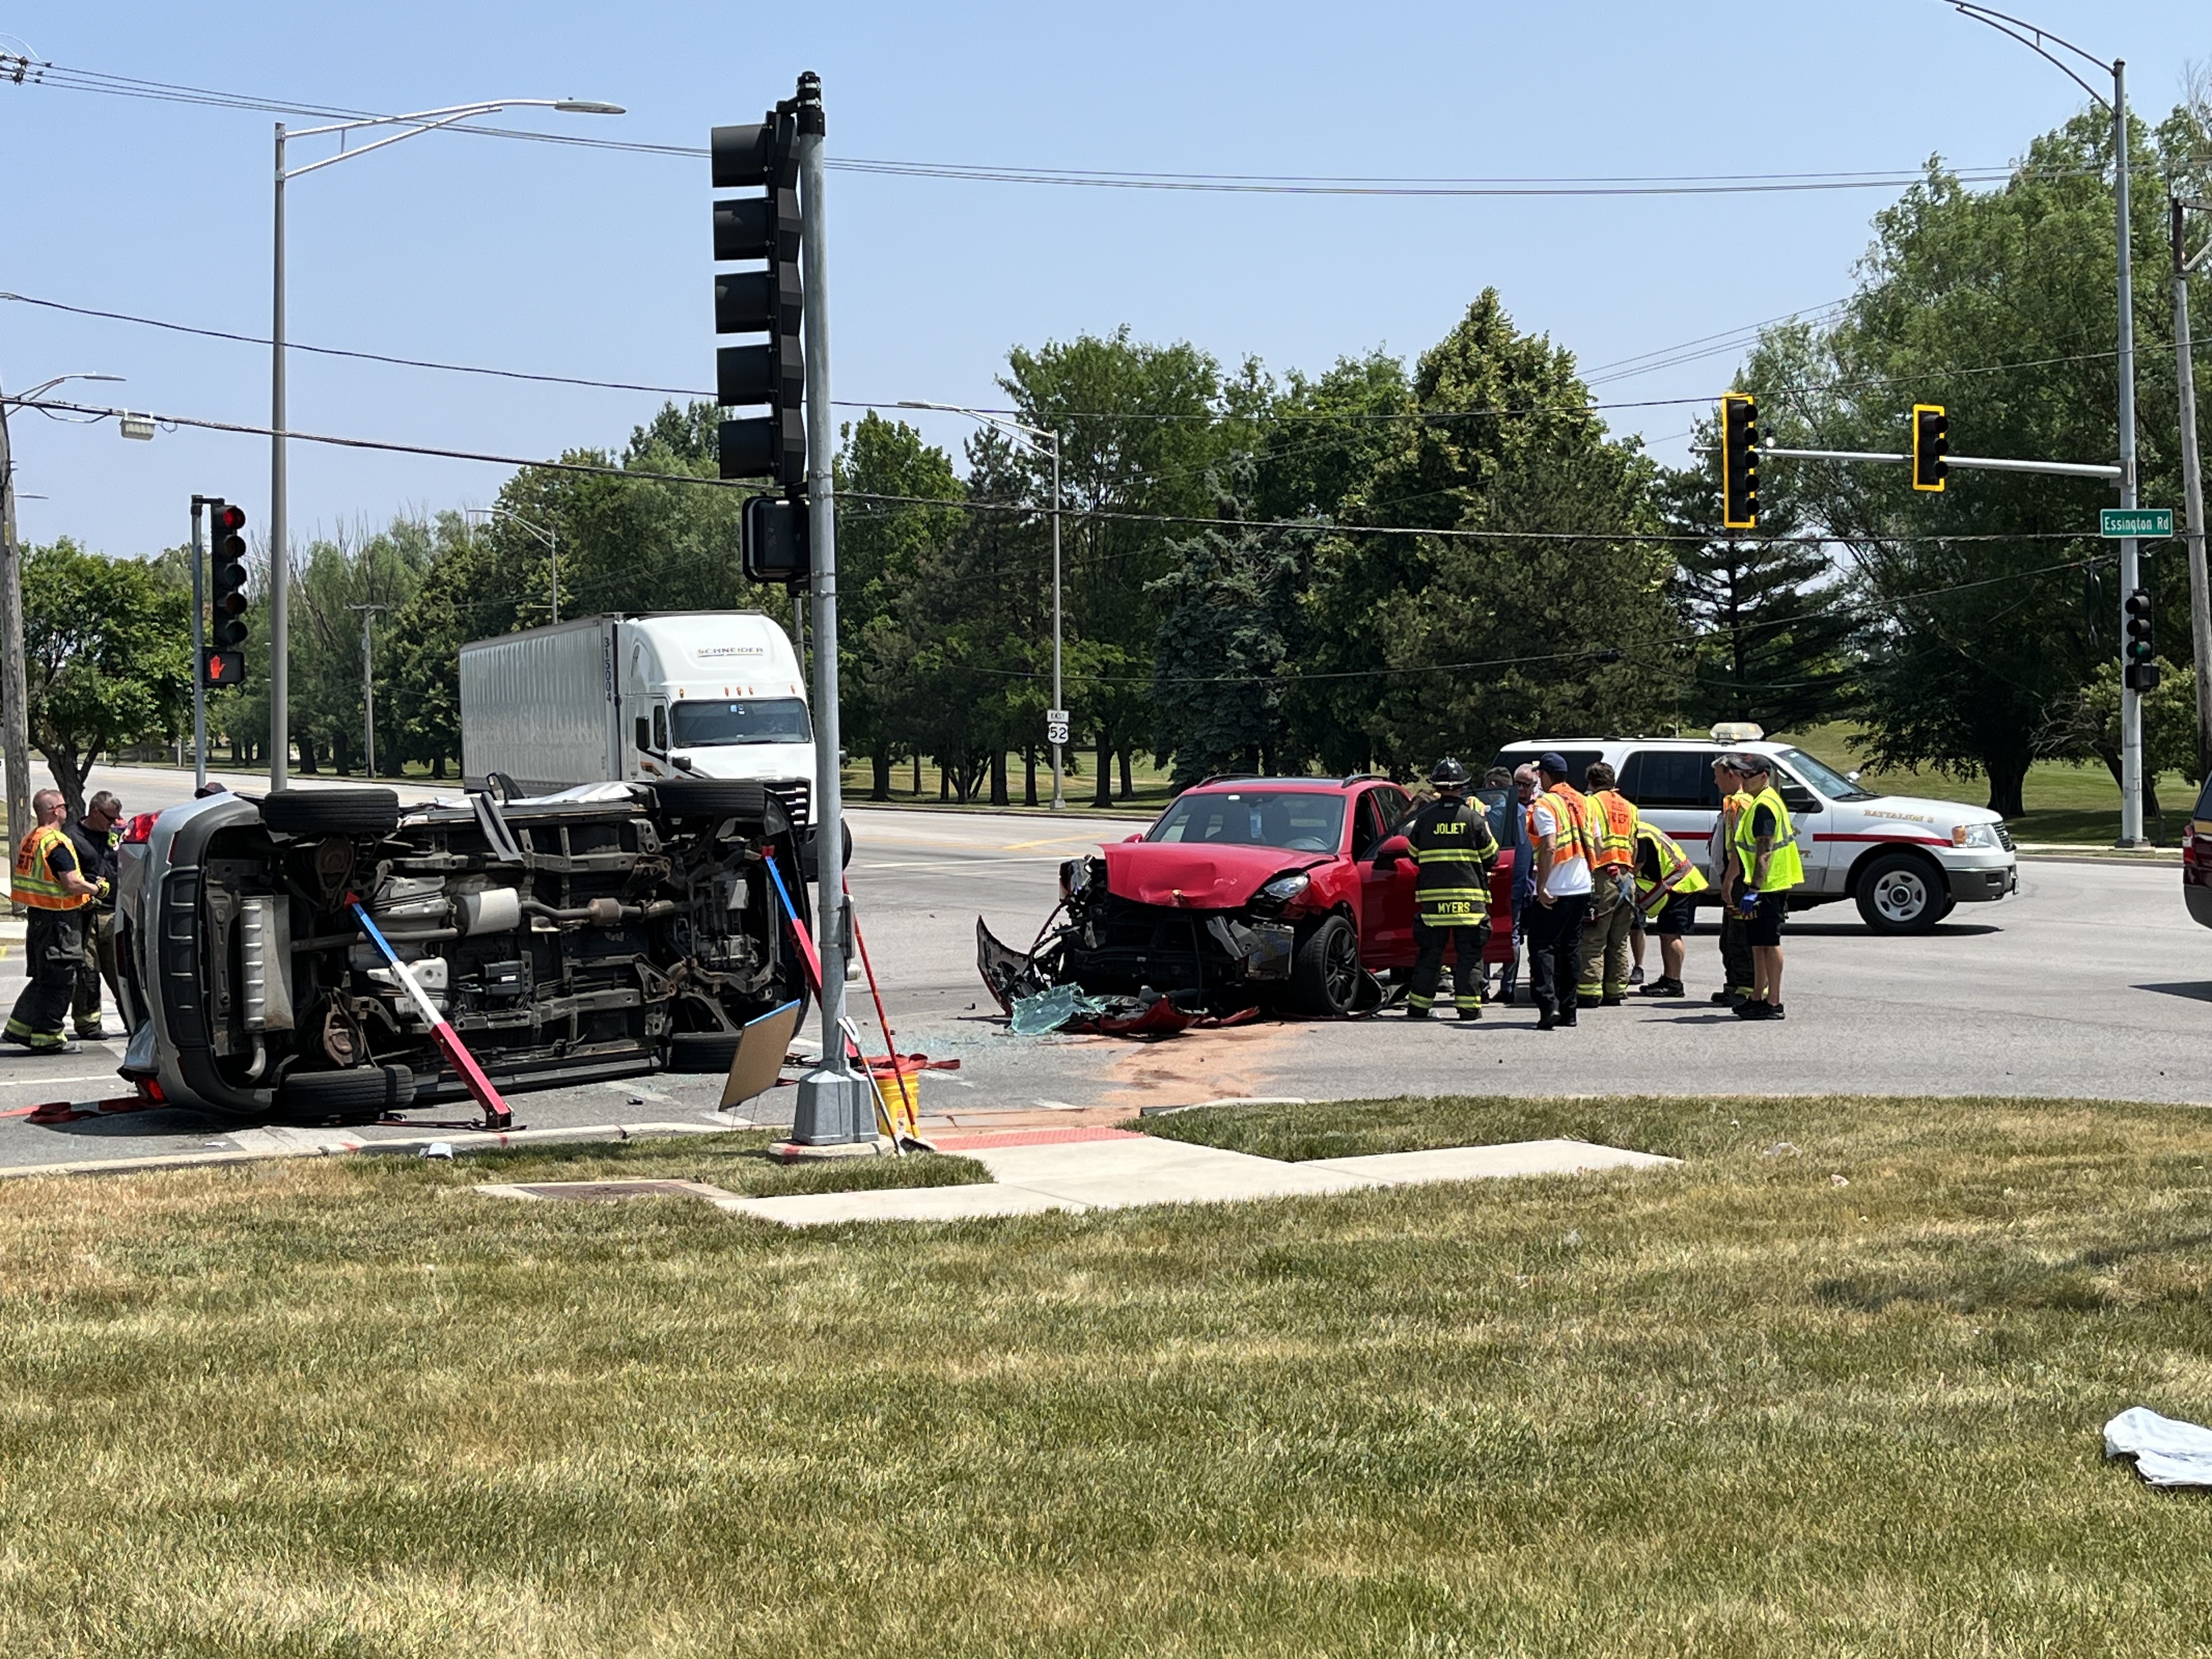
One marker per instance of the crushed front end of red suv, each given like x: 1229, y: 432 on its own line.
x: 1258, y: 892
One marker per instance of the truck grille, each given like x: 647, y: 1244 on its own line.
x: 2004, y: 837
x: 794, y: 797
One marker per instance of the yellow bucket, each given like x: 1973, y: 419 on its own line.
x: 900, y: 1081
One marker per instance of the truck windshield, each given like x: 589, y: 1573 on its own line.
x: 1297, y: 820
x: 1825, y: 779
x: 704, y: 724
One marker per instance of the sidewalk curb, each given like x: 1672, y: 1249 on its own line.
x: 464, y: 1141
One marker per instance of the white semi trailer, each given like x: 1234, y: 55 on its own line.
x: 638, y: 698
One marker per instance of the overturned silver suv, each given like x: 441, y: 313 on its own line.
x: 606, y: 932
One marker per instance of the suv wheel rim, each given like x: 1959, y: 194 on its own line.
x: 1901, y: 896
x: 1342, y: 969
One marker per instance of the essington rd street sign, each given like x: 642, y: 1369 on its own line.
x: 2123, y: 522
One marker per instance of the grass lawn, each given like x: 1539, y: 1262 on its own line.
x: 349, y: 1407
x: 2065, y: 801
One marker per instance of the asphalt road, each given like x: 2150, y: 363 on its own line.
x: 2091, y: 981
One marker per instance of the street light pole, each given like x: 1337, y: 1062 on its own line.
x: 547, y: 534
x: 15, y: 691
x: 2131, y: 753
x: 2029, y: 35
x: 1038, y: 437
x: 421, y: 121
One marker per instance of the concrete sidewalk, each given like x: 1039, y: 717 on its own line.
x: 1100, y: 1169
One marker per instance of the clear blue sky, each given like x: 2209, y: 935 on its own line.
x: 541, y: 257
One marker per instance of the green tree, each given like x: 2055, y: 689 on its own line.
x: 107, y: 658
x: 885, y: 547
x: 1536, y: 605
x: 1771, y: 619
x: 1229, y: 608
x: 1139, y: 427
x: 1997, y: 604
x: 331, y: 587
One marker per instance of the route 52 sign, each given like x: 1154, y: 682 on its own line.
x: 1055, y: 725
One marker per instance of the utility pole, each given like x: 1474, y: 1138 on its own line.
x: 14, y: 693
x: 2192, y: 477
x: 280, y: 548
x: 835, y: 1103
x: 369, y: 613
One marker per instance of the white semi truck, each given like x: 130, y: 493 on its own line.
x: 638, y: 698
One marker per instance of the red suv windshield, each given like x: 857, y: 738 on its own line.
x: 1295, y: 820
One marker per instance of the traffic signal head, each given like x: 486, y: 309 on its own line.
x: 768, y: 300
x: 1738, y: 461
x: 1931, y: 442
x: 225, y: 661
x: 2139, y: 643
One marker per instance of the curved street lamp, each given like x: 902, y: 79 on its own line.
x: 551, y: 538
x: 2035, y: 39
x: 15, y: 721
x: 421, y: 121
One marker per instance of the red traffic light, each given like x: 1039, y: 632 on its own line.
x: 224, y: 668
x: 230, y: 520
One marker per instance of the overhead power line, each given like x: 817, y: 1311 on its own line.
x: 1426, y: 416
x: 65, y: 77
x: 608, y: 470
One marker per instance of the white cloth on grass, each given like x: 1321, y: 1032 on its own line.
x: 2168, y: 1452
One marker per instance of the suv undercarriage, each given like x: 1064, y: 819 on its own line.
x: 600, y: 933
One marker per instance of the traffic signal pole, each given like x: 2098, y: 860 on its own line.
x: 836, y: 1102
x: 199, y: 651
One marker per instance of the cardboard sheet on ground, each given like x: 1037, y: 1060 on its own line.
x: 2168, y: 1452
x: 762, y: 1045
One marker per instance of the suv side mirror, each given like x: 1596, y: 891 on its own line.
x: 1392, y: 849
x: 1801, y: 801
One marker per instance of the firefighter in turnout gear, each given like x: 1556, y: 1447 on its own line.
x: 1453, y: 851
x: 1613, y: 893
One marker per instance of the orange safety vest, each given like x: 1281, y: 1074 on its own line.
x: 1613, y: 818
x: 33, y: 885
x: 1570, y: 810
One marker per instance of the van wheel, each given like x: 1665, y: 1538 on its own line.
x: 1325, y: 974
x: 360, y: 1095
x: 1902, y: 893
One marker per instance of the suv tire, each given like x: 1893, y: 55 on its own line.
x: 1903, y: 893
x: 306, y: 812
x: 1325, y: 972
x: 360, y: 1095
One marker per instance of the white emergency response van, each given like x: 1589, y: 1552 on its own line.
x: 638, y: 698
x: 1903, y: 859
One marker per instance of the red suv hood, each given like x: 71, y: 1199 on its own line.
x: 1205, y: 877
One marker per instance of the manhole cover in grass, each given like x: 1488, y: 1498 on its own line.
x: 605, y: 1192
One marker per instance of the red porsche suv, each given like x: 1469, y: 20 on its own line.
x: 1251, y: 890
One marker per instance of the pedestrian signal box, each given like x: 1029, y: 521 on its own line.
x: 1931, y: 442
x: 1738, y: 461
